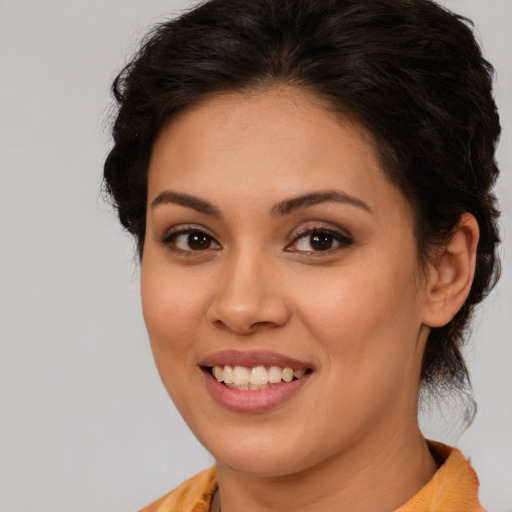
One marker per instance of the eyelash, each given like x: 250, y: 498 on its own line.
x: 169, y: 240
x: 342, y: 240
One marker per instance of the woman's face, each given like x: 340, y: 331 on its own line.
x: 274, y: 241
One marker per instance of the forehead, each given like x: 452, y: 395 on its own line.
x: 276, y: 142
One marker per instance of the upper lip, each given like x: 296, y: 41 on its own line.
x: 253, y: 358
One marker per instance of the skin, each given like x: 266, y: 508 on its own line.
x: 358, y: 313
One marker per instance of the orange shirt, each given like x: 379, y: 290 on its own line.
x: 454, y: 488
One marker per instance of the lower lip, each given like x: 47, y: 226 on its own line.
x: 252, y: 401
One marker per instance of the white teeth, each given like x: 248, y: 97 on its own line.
x: 218, y: 373
x: 296, y: 373
x: 244, y: 387
x: 259, y: 376
x: 241, y: 376
x: 254, y: 387
x: 287, y: 375
x: 228, y: 374
x: 274, y: 374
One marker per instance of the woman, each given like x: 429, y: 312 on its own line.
x: 309, y: 184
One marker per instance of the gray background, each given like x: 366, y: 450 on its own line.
x: 85, y: 424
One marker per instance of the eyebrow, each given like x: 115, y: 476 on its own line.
x: 306, y: 200
x: 188, y: 201
x: 280, y: 209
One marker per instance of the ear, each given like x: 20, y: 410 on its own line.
x: 451, y: 274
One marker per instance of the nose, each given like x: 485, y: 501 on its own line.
x: 248, y: 297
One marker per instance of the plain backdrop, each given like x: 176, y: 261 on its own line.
x: 85, y: 424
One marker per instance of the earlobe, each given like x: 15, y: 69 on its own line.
x: 451, y: 275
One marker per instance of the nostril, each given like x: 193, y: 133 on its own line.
x: 247, y: 305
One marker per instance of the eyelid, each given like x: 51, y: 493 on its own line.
x: 342, y: 236
x: 183, y: 229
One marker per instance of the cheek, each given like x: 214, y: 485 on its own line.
x: 367, y: 318
x: 173, y: 307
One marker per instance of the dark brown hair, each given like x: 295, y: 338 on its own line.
x: 409, y: 71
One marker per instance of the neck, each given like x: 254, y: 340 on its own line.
x: 378, y: 475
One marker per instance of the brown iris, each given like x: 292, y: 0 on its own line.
x: 321, y: 241
x: 199, y: 241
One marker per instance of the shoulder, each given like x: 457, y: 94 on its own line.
x: 193, y: 495
x: 453, y: 488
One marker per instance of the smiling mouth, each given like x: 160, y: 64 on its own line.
x: 256, y: 378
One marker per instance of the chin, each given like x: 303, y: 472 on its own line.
x: 261, y: 454
x: 257, y: 462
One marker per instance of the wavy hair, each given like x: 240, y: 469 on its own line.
x: 410, y: 71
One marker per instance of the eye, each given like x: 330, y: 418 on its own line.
x: 190, y: 240
x: 319, y: 240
